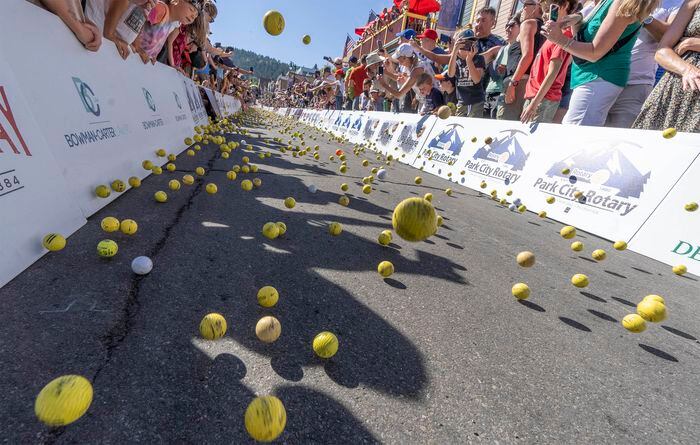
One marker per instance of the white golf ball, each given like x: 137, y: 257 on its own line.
x: 381, y: 174
x: 141, y: 265
x: 517, y: 202
x: 243, y: 142
x: 512, y: 207
x: 312, y: 188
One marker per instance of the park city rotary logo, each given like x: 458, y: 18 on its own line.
x: 505, y: 148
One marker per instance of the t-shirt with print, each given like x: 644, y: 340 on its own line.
x: 540, y: 66
x: 129, y: 25
x: 153, y: 37
x: 432, y: 101
x: 468, y: 92
x: 643, y: 66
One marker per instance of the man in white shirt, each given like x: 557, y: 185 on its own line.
x: 643, y: 66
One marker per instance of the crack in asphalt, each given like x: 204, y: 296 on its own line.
x: 121, y: 329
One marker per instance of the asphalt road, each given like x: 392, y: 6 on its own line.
x: 440, y: 353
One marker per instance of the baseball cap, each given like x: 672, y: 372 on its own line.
x: 337, y: 61
x: 429, y: 34
x: 404, y: 50
x: 339, y: 72
x: 352, y: 59
x: 407, y: 34
x: 466, y: 34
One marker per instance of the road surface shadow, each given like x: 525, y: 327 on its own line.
x: 625, y: 302
x: 575, y: 324
x: 602, y: 316
x: 531, y: 305
x: 658, y: 352
x: 593, y: 297
x: 395, y: 283
x: 678, y: 332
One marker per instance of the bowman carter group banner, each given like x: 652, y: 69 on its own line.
x: 77, y: 120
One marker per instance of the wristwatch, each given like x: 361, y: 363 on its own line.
x: 647, y: 21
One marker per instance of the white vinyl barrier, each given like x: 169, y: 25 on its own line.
x: 86, y: 118
x: 672, y: 234
x: 632, y: 183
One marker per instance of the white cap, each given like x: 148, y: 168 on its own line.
x: 404, y: 50
x: 337, y: 60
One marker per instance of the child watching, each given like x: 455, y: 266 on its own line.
x: 547, y: 75
x: 154, y: 36
x: 433, y: 96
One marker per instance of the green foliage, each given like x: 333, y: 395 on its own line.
x: 265, y: 67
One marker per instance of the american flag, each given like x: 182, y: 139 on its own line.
x: 349, y: 43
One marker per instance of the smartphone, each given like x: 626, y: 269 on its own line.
x: 553, y: 12
x: 380, y: 70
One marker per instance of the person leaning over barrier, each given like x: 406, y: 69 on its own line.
x: 71, y: 12
x: 155, y: 35
x: 120, y: 21
x: 412, y: 66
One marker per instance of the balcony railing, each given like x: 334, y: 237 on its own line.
x: 387, y: 34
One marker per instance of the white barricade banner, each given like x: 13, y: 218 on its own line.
x: 355, y: 132
x: 34, y: 198
x: 213, y: 102
x: 475, y: 150
x: 672, y: 234
x: 410, y: 136
x: 340, y: 122
x: 194, y: 101
x: 386, y: 131
x: 622, y: 175
x: 100, y: 115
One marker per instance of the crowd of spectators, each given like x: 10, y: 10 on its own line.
x: 594, y: 63
x: 172, y: 32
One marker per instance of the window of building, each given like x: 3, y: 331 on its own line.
x: 495, y: 4
x: 517, y: 7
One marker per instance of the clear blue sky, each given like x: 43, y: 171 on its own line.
x: 239, y: 24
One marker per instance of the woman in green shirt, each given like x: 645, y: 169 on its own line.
x: 602, y: 55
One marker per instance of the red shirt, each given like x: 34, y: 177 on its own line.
x: 358, y: 75
x: 540, y: 65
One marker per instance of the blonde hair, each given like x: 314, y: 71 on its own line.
x: 637, y: 9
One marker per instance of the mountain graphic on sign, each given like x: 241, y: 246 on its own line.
x: 506, y: 149
x: 357, y: 124
x: 606, y: 166
x: 346, y: 122
x: 338, y: 119
x: 448, y: 139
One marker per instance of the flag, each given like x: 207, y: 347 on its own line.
x: 372, y: 16
x: 349, y: 43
